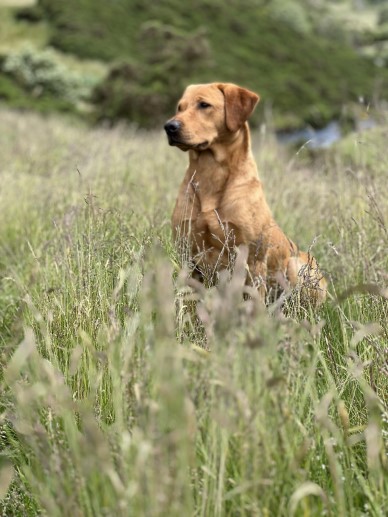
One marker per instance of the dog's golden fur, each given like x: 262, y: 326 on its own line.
x: 221, y: 201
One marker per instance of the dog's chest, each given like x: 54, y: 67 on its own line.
x: 214, y: 207
x: 214, y: 223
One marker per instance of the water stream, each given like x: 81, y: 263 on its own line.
x: 320, y: 138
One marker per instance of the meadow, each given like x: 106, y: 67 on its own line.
x: 126, y: 392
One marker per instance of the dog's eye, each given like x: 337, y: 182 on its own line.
x: 179, y: 107
x: 203, y: 105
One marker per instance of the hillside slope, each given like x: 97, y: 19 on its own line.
x: 294, y: 71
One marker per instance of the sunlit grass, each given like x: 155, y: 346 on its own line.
x: 111, y: 404
x: 15, y: 34
x: 17, y: 3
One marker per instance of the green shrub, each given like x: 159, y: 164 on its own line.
x: 292, y: 14
x: 146, y: 91
x: 39, y: 72
x: 293, y: 70
x: 383, y: 15
x: 32, y: 14
x: 8, y: 89
x: 17, y: 97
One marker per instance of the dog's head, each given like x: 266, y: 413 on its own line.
x: 208, y: 114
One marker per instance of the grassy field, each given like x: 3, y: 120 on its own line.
x: 110, y: 403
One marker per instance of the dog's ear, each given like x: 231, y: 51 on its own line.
x: 239, y: 105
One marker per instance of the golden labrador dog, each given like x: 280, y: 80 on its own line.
x: 221, y: 203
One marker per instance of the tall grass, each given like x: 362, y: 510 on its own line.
x: 125, y: 392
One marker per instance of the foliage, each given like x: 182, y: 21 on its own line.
x: 383, y: 15
x: 146, y: 92
x: 291, y: 13
x: 40, y: 73
x: 305, y: 75
x: 15, y: 33
x: 16, y: 97
x: 111, y: 404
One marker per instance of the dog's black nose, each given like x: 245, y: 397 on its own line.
x: 172, y: 126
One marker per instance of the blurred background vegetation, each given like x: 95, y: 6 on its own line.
x: 312, y: 61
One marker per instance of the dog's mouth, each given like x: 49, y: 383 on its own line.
x: 185, y: 146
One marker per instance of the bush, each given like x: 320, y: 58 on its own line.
x: 40, y: 73
x: 292, y: 14
x: 294, y: 70
x: 17, y: 97
x: 146, y: 91
x: 383, y: 16
x: 33, y: 14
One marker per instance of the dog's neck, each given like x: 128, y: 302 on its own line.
x: 230, y: 151
x: 211, y: 171
x: 229, y: 157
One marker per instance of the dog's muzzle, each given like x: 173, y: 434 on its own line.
x: 172, y: 128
